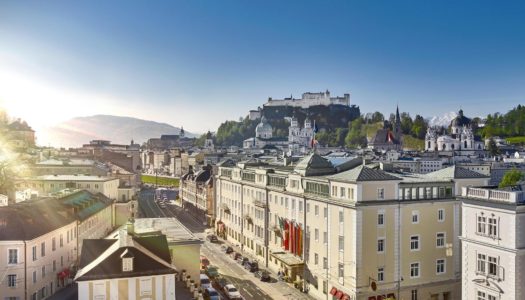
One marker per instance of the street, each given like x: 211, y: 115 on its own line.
x: 250, y: 287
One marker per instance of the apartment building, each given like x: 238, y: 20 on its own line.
x: 38, y: 242
x: 197, y: 195
x: 358, y: 233
x: 493, y: 243
x: 49, y: 184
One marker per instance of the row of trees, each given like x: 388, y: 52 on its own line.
x: 510, y: 124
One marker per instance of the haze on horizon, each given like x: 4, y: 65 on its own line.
x: 198, y: 63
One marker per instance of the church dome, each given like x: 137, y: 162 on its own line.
x: 460, y: 120
x: 263, y: 129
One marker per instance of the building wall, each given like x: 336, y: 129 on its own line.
x: 96, y: 226
x: 186, y: 257
x: 45, y: 267
x: 156, y: 287
x: 107, y: 187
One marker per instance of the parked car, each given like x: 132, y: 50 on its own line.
x: 204, y: 282
x: 242, y: 260
x: 204, y: 262
x: 228, y: 250
x: 235, y: 255
x: 211, y: 294
x: 251, y: 266
x: 232, y: 292
x: 219, y: 283
x: 212, y: 271
x: 212, y: 238
x: 263, y: 275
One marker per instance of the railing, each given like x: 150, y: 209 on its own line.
x: 492, y: 194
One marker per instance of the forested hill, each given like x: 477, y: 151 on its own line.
x: 511, y: 124
x: 327, y: 118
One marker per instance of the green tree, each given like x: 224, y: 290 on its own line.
x: 406, y: 123
x: 356, y: 136
x: 419, y: 127
x: 511, y: 178
x: 199, y: 142
x: 492, y: 147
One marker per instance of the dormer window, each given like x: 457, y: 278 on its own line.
x: 127, y: 261
x: 127, y: 264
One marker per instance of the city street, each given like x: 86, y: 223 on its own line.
x: 249, y: 286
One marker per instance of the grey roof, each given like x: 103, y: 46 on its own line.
x: 363, y: 173
x: 314, y: 165
x: 456, y: 173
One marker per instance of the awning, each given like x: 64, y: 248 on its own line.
x: 288, y: 259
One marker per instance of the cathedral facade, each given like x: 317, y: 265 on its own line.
x: 461, y: 137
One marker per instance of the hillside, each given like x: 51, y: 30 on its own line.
x: 117, y: 129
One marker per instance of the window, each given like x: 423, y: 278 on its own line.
x: 414, y: 294
x: 342, y: 192
x: 481, y: 229
x: 316, y: 235
x: 380, y: 274
x: 351, y: 193
x: 440, y: 266
x: 61, y: 240
x: 34, y: 276
x: 414, y: 243
x: 381, y: 245
x: 440, y: 240
x: 380, y: 194
x: 316, y: 210
x: 43, y: 249
x: 414, y: 270
x: 307, y: 207
x: 54, y: 265
x: 341, y: 243
x: 325, y: 237
x: 316, y: 258
x: 341, y: 270
x: 493, y: 227
x: 493, y: 266
x: 441, y: 215
x: 12, y: 256
x: 326, y: 212
x: 325, y: 263
x: 11, y: 280
x: 481, y: 263
x: 380, y: 219
x: 53, y: 244
x: 34, y: 253
x: 482, y: 295
x: 341, y: 216
x: 415, y: 217
x: 127, y: 264
x: 491, y: 297
x: 43, y: 271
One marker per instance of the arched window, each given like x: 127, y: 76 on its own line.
x: 465, y: 144
x: 428, y: 145
x: 452, y: 146
x: 444, y: 146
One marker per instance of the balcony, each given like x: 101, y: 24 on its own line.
x: 493, y: 194
x: 260, y: 203
x: 276, y: 229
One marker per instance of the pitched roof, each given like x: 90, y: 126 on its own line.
x: 363, y: 173
x: 30, y: 219
x: 314, y: 165
x: 456, y: 172
x: 102, y: 259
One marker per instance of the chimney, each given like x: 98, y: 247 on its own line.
x: 130, y: 226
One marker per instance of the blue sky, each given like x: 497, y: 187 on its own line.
x: 197, y: 63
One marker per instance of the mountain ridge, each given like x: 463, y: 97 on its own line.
x: 117, y: 129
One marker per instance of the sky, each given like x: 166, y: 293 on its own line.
x: 198, y: 63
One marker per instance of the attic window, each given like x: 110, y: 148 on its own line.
x: 127, y: 264
x: 127, y: 261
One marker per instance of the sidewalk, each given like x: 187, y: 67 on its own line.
x: 290, y: 292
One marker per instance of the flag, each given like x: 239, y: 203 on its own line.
x: 316, y: 129
x: 286, y: 235
x: 313, y: 142
x: 300, y: 238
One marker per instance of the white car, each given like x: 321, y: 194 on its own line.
x: 232, y: 292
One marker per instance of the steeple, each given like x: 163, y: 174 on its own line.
x: 398, y: 120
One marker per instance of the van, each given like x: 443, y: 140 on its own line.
x: 205, y: 282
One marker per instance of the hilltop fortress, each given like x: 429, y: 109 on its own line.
x: 310, y: 99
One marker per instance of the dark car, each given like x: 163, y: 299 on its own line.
x: 212, y: 238
x: 228, y: 250
x: 212, y: 271
x: 242, y: 260
x: 235, y: 255
x: 219, y: 283
x: 251, y: 266
x: 263, y: 275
